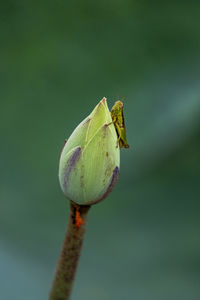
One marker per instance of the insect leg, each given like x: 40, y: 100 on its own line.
x: 118, y: 129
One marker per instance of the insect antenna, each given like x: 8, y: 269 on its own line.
x: 123, y: 98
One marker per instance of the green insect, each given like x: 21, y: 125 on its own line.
x: 118, y: 121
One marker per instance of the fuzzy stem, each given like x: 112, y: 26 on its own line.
x: 69, y: 257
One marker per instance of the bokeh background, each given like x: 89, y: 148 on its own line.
x: 57, y: 60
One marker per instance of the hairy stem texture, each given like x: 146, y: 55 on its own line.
x: 69, y: 257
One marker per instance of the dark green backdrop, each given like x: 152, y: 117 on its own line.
x: 57, y: 60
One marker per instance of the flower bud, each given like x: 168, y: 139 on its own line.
x: 89, y: 162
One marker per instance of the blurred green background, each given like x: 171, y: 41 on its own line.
x: 57, y: 60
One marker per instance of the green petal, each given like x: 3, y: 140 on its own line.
x: 92, y: 177
x: 101, y: 156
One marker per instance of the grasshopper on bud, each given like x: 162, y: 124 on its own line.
x: 117, y: 115
x: 89, y: 162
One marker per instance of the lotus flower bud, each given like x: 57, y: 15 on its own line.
x: 89, y: 162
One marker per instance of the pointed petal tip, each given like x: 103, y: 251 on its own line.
x: 104, y: 100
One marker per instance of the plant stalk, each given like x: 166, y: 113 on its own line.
x: 70, y: 253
